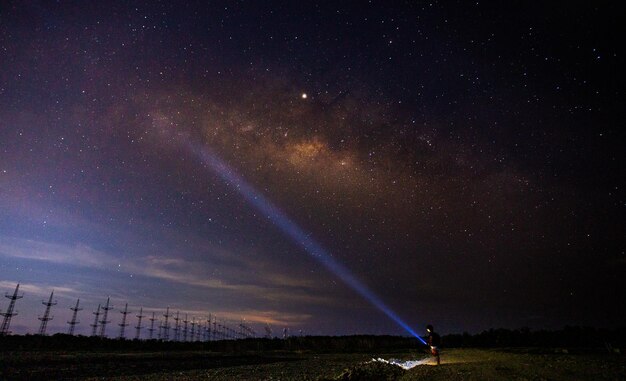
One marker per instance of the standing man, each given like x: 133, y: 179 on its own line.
x: 433, y: 341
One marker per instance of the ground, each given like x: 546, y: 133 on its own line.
x: 457, y: 364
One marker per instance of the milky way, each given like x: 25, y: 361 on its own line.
x: 464, y: 161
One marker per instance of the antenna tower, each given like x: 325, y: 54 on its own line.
x: 6, y: 322
x: 193, y: 329
x: 166, y: 327
x: 123, y: 324
x: 94, y: 326
x: 138, y: 327
x: 208, y: 327
x: 104, y: 321
x: 73, y: 322
x: 177, y: 327
x: 151, y: 329
x: 46, y: 315
x: 185, y: 328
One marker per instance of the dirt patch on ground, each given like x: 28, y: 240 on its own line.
x: 371, y: 371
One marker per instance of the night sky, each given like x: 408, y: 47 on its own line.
x: 464, y: 160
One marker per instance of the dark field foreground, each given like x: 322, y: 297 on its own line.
x: 457, y: 364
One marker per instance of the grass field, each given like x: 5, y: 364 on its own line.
x: 457, y: 364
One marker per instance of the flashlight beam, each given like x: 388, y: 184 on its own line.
x: 293, y: 231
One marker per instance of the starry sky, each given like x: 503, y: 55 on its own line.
x: 464, y: 160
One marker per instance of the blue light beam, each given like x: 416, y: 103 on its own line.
x: 291, y: 229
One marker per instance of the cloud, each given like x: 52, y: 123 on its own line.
x: 254, y: 316
x: 76, y: 255
x: 268, y: 286
x: 274, y: 287
x: 40, y: 289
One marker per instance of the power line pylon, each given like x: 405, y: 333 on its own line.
x: 6, y: 322
x: 151, y: 329
x: 94, y: 326
x: 166, y: 328
x: 46, y: 315
x: 104, y: 321
x: 138, y: 327
x: 73, y: 322
x: 123, y: 324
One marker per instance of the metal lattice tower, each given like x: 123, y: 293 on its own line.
x: 215, y: 329
x: 46, y: 315
x: 73, y: 322
x: 138, y: 327
x: 104, y: 321
x: 177, y: 327
x: 151, y: 329
x: 166, y: 327
x: 193, y: 329
x: 185, y: 328
x: 159, y: 337
x: 246, y: 331
x: 208, y: 327
x: 123, y: 324
x: 249, y: 331
x: 199, y: 330
x: 94, y: 326
x: 6, y: 322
